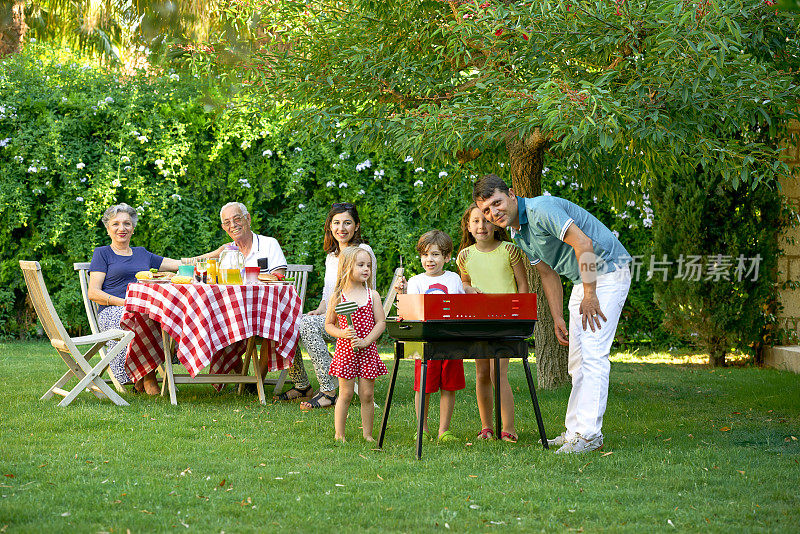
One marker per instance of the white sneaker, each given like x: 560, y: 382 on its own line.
x: 557, y: 441
x: 580, y: 444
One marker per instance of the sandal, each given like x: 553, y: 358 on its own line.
x: 425, y: 436
x: 486, y: 433
x: 509, y: 437
x: 302, y: 394
x: 314, y: 402
x: 447, y: 437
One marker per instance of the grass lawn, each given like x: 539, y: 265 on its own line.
x: 687, y: 448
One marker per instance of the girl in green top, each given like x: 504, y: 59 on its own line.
x: 490, y: 263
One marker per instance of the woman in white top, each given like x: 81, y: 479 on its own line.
x: 342, y: 229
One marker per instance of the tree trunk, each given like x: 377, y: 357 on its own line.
x: 716, y: 353
x: 12, y: 27
x: 526, y: 155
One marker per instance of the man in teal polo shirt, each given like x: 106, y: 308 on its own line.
x: 562, y: 238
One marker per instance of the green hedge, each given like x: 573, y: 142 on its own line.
x: 77, y: 139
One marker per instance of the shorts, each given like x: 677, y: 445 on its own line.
x: 447, y: 375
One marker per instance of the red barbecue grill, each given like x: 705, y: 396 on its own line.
x: 464, y: 327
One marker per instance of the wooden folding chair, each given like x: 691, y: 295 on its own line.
x: 299, y: 274
x: 91, y: 308
x: 67, y: 347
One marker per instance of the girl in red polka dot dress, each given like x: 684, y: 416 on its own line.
x: 356, y: 353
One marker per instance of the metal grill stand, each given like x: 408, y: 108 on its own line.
x: 495, y: 349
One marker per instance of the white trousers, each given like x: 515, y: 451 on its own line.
x: 589, y: 365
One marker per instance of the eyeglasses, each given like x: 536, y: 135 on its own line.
x: 237, y: 220
x: 343, y: 205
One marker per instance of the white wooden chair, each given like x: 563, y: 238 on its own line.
x: 91, y: 312
x: 299, y: 274
x: 67, y: 347
x: 391, y: 295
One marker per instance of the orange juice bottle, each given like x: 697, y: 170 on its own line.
x: 212, y: 271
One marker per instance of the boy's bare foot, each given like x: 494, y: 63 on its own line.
x: 369, y: 438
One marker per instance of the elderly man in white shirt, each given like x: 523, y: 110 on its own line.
x: 258, y: 250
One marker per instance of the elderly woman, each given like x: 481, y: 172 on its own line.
x: 115, y: 266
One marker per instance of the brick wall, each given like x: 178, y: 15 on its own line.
x: 789, y: 265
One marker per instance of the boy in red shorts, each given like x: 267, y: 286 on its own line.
x: 435, y: 249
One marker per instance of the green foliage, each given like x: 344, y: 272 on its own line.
x: 632, y: 89
x: 77, y: 139
x: 723, y: 246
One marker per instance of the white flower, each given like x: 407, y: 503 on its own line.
x: 594, y: 199
x: 32, y: 169
x: 560, y: 183
x: 79, y: 199
x: 83, y: 179
x: 361, y: 191
x: 135, y: 133
x: 363, y: 165
x: 379, y: 174
x: 502, y: 165
x: 80, y: 165
x: 125, y: 159
x: 116, y: 183
x: 244, y: 183
x: 33, y: 40
x: 5, y: 141
x: 443, y: 174
x: 245, y: 145
x: 419, y: 169
x: 545, y: 170
x: 126, y: 169
x: 176, y: 196
x: 267, y: 153
x: 19, y: 159
x: 418, y: 183
x: 616, y: 234
x: 408, y: 159
x: 343, y: 184
x: 344, y: 155
x: 331, y: 183
x: 648, y: 222
x: 574, y: 186
x: 630, y: 203
x: 335, y: 165
x: 174, y: 77
x: 298, y: 149
x: 546, y: 193
x: 301, y: 206
x: 159, y: 163
x: 142, y: 139
x: 42, y: 168
x: 109, y: 100
x: 63, y: 98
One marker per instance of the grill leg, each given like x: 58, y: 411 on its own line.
x: 422, y: 414
x: 398, y: 354
x: 536, y: 409
x: 497, y: 415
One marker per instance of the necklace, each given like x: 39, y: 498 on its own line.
x: 125, y: 252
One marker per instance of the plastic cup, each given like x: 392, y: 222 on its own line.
x: 186, y: 270
x: 251, y: 275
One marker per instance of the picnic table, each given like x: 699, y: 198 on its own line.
x: 210, y: 326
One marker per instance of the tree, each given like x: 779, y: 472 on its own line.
x: 722, y: 248
x: 621, y: 91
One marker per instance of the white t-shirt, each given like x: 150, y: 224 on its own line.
x: 332, y: 269
x: 447, y: 283
x: 265, y: 247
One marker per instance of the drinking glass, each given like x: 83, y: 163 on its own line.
x: 201, y: 267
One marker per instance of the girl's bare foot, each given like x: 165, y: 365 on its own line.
x: 369, y: 438
x: 339, y: 440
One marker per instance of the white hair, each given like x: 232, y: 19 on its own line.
x: 239, y: 205
x: 120, y: 208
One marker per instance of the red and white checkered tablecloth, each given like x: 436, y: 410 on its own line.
x: 210, y: 324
